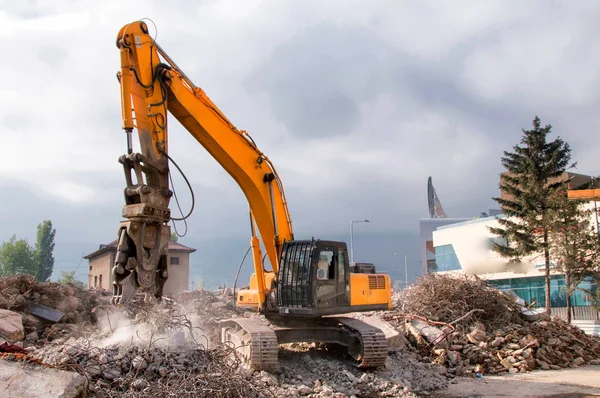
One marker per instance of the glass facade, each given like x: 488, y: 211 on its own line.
x: 445, y: 258
x: 533, y: 288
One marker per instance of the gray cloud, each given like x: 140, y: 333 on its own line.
x: 356, y: 105
x: 15, y: 122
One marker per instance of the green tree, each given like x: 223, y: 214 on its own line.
x: 174, y: 237
x: 44, y: 248
x: 69, y: 277
x: 573, y: 244
x: 16, y: 257
x: 532, y: 179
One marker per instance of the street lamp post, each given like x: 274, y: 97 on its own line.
x: 405, y: 270
x: 352, y: 238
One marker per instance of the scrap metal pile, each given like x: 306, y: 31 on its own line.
x: 471, y: 328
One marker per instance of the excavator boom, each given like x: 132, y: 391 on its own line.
x: 151, y: 87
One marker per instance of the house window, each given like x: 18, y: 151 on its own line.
x: 100, y: 280
x: 174, y: 261
x: 95, y: 281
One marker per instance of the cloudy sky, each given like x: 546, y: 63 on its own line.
x: 356, y: 103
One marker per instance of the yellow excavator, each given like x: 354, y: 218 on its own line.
x: 310, y: 282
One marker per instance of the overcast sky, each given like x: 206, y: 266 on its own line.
x: 355, y: 102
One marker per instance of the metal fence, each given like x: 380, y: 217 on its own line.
x: 585, y: 313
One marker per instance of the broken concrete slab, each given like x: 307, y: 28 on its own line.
x: 395, y: 339
x: 430, y: 333
x: 44, y: 312
x: 25, y: 380
x: 11, y: 326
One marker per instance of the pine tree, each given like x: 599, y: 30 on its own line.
x: 533, y: 177
x: 44, y: 248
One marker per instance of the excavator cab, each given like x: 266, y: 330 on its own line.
x: 314, y: 280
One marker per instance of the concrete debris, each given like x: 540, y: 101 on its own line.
x: 24, y: 380
x: 11, y: 326
x: 517, y: 348
x: 57, y: 302
x: 172, y: 349
x: 44, y: 312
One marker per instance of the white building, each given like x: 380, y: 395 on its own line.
x: 466, y: 247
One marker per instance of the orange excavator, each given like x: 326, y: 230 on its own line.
x: 310, y: 282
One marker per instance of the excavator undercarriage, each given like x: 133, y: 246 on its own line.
x: 257, y: 339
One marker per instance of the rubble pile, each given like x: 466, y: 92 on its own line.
x: 156, y: 352
x: 150, y: 369
x: 172, y: 349
x: 446, y: 298
x: 471, y: 328
x: 73, y: 305
x: 306, y: 370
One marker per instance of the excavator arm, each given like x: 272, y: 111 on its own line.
x: 152, y: 86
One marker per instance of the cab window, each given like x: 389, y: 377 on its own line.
x: 341, y: 269
x: 326, y: 265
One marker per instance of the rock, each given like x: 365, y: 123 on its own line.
x: 578, y: 361
x: 219, y: 304
x: 18, y: 380
x: 513, y: 370
x: 453, y: 357
x: 111, y: 373
x: 33, y: 336
x: 140, y: 384
x: 476, y: 336
x: 506, y: 363
x: 326, y: 391
x: 419, y: 328
x: 11, y: 326
x: 543, y: 364
x: 268, y: 378
x: 553, y: 341
x: 364, y: 378
x: 303, y: 389
x: 555, y: 367
x: 93, y: 370
x: 497, y: 342
x: 139, y: 363
x: 595, y: 362
x: 71, y: 350
x: 351, y: 377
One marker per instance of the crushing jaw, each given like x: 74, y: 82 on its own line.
x: 143, y: 237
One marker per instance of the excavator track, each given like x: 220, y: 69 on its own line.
x: 253, y: 339
x: 374, y: 346
x: 350, y: 339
